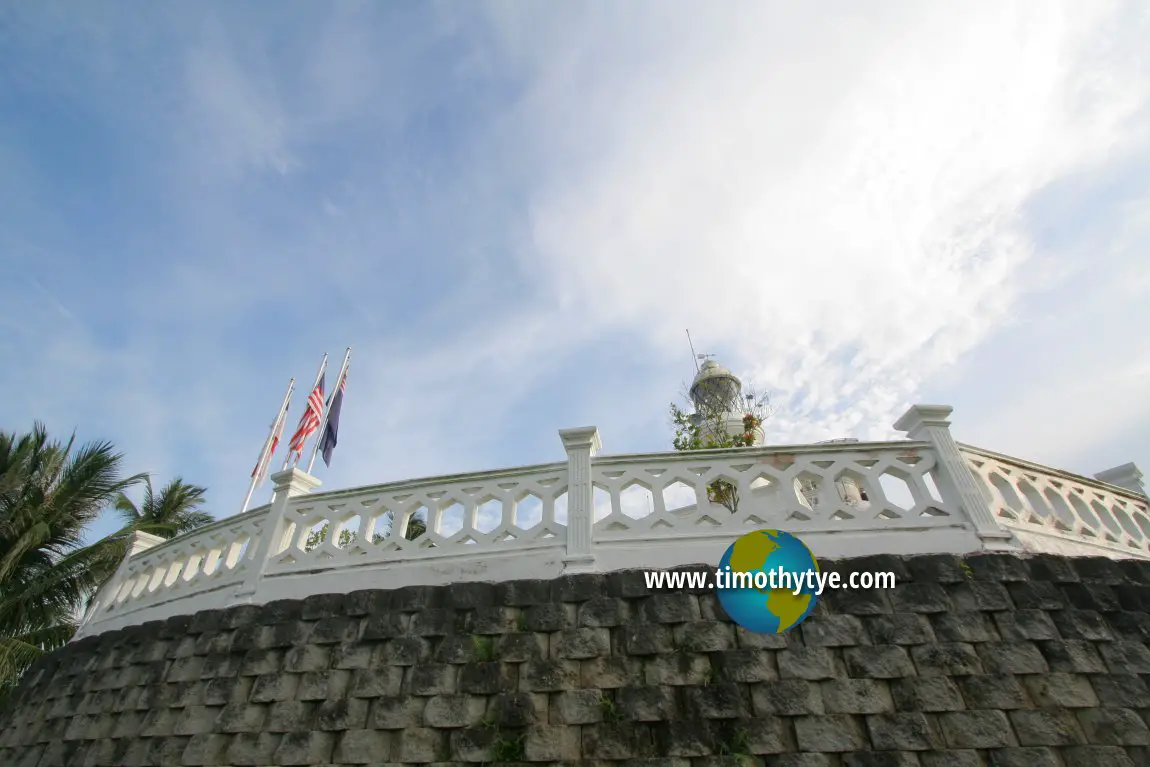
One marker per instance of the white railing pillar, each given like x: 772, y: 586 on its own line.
x: 140, y: 541
x: 582, y: 445
x: 955, y: 479
x: 286, y: 484
x: 1127, y: 476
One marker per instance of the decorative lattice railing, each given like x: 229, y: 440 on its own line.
x: 625, y: 511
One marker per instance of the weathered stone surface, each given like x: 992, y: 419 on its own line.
x: 990, y: 661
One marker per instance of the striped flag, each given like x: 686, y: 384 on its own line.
x: 309, y: 421
x: 261, y: 468
x: 331, y: 430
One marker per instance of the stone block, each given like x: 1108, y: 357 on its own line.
x: 336, y: 629
x: 1082, y: 624
x: 472, y: 745
x: 1032, y: 756
x: 704, y: 636
x: 602, y: 612
x: 339, y: 715
x: 810, y: 663
x: 1124, y: 657
x: 298, y: 748
x: 492, y: 620
x: 856, y: 696
x: 1073, y: 656
x: 548, y: 617
x: 902, y: 732
x: 920, y: 598
x: 468, y: 596
x: 1061, y: 690
x: 549, y: 676
x: 880, y: 759
x: 257, y: 662
x: 788, y: 697
x: 1121, y: 690
x: 422, y: 745
x: 677, y: 669
x: 1046, y: 727
x: 241, y: 718
x: 452, y: 711
x: 628, y: 584
x: 186, y: 669
x: 402, y: 651
x: 976, y: 729
x: 881, y: 662
x: 196, y: 720
x: 517, y: 709
x: 1036, y: 595
x: 610, y: 673
x: 1113, y: 727
x: 416, y: 599
x: 614, y: 741
x: 581, y: 643
x: 831, y: 733
x: 287, y: 634
x: 670, y: 608
x: 428, y: 679
x: 724, y: 700
x: 521, y: 647
x: 647, y: 639
x: 1092, y: 756
x: 438, y: 622
x: 1023, y: 625
x: 323, y: 685
x: 899, y: 629
x: 461, y: 648
x: 574, y: 707
x: 973, y: 596
x: 965, y: 626
x: 523, y: 593
x: 856, y: 601
x: 641, y: 704
x: 581, y: 587
x: 1091, y: 596
x: 253, y: 749
x: 744, y: 665
x: 834, y: 631
x: 272, y: 687
x: 384, y: 625
x: 552, y: 744
x: 396, y: 713
x: 992, y: 692
x: 206, y: 750
x: 753, y: 640
x: 363, y: 747
x: 290, y: 716
x: 946, y: 659
x: 351, y: 655
x: 1134, y: 626
x: 487, y: 678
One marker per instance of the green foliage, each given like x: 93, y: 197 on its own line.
x: 482, y: 649
x: 506, y: 749
x: 416, y: 526
x: 610, y: 710
x: 707, y: 431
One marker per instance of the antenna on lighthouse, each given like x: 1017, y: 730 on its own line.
x: 696, y: 356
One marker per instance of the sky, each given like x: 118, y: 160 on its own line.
x: 513, y: 211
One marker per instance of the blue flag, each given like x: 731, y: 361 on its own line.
x: 331, y: 431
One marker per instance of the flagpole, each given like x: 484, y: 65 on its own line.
x: 265, y: 455
x: 318, y: 378
x: 327, y: 408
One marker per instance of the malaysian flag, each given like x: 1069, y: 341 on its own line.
x: 309, y: 421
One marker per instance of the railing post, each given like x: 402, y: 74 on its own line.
x: 1127, y: 476
x: 929, y: 423
x: 581, y: 444
x: 287, y: 484
x: 140, y: 541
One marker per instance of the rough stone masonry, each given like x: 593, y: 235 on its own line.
x: 986, y: 660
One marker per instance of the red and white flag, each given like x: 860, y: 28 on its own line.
x: 312, y: 415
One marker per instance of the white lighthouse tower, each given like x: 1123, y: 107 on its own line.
x: 717, y: 395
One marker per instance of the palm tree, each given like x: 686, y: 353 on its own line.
x: 49, y: 493
x: 176, y: 509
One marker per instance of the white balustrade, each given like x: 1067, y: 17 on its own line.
x: 604, y: 513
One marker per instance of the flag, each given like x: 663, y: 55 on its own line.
x: 331, y: 430
x: 266, y: 459
x: 309, y: 421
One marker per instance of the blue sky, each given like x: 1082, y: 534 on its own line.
x: 512, y: 211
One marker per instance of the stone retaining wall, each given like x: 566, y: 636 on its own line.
x: 987, y: 660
